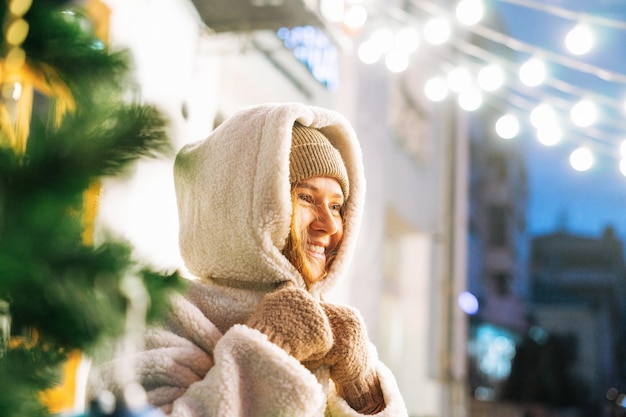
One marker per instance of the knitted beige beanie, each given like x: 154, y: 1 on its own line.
x: 312, y: 155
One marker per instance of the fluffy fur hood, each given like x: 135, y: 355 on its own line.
x: 233, y: 196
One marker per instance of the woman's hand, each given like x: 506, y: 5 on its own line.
x: 351, y: 367
x: 296, y: 322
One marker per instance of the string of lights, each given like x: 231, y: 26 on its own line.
x: 595, y: 117
x: 520, y: 106
x: 573, y: 91
x: 517, y: 45
x: 565, y: 61
x: 567, y: 88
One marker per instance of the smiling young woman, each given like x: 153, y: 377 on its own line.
x: 317, y: 227
x: 319, y: 188
x: 253, y: 335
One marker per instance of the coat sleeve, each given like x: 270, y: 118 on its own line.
x: 252, y: 377
x: 189, y: 369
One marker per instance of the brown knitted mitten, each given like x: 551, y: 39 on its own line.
x: 293, y: 320
x: 351, y: 367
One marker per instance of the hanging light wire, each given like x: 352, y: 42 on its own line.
x: 563, y: 105
x: 565, y: 61
x: 603, y: 142
x: 568, y: 14
x: 520, y: 46
x: 521, y: 105
x: 512, y: 97
x: 606, y: 142
x: 554, y: 83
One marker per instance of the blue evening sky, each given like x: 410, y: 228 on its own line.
x: 585, y: 201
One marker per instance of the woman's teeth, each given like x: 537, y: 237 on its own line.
x: 316, y: 249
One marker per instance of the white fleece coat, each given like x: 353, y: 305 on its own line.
x: 234, y: 207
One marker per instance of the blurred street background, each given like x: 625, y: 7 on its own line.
x: 490, y: 269
x: 491, y: 264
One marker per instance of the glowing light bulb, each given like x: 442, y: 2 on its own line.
x: 369, y: 53
x: 533, y: 72
x: 491, y: 77
x: 622, y: 166
x: 332, y: 10
x: 470, y: 12
x: 580, y: 39
x: 581, y: 159
x: 543, y: 115
x: 549, y: 135
x: 407, y: 39
x: 437, y: 31
x: 397, y: 61
x: 584, y: 113
x: 459, y: 79
x: 355, y: 17
x: 470, y: 99
x: 436, y: 89
x: 507, y: 126
x: 383, y: 39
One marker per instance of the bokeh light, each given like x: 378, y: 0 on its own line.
x: 397, y: 61
x: 459, y: 79
x: 549, y: 135
x: 507, y: 126
x: 580, y: 39
x: 468, y: 302
x: 436, y: 89
x: 437, y: 31
x: 622, y: 166
x: 470, y: 12
x: 383, y: 39
x: 533, y: 72
x: 369, y: 53
x: 407, y: 39
x: 470, y: 99
x: 355, y: 17
x: 584, y: 113
x: 491, y: 77
x: 543, y: 115
x: 332, y: 10
x: 581, y: 159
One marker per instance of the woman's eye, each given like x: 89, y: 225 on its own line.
x: 306, y: 198
x: 336, y: 207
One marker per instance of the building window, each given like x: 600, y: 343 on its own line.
x: 501, y: 283
x: 498, y: 165
x: 498, y: 226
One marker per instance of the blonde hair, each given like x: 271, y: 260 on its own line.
x: 294, y: 247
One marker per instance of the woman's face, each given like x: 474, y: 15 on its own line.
x: 318, y: 212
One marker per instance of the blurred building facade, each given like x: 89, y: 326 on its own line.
x: 410, y: 264
x: 498, y: 245
x: 578, y: 287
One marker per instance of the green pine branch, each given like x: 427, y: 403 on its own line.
x: 68, y: 293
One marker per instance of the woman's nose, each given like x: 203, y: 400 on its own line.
x: 325, y: 221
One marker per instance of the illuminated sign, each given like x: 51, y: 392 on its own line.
x: 313, y: 48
